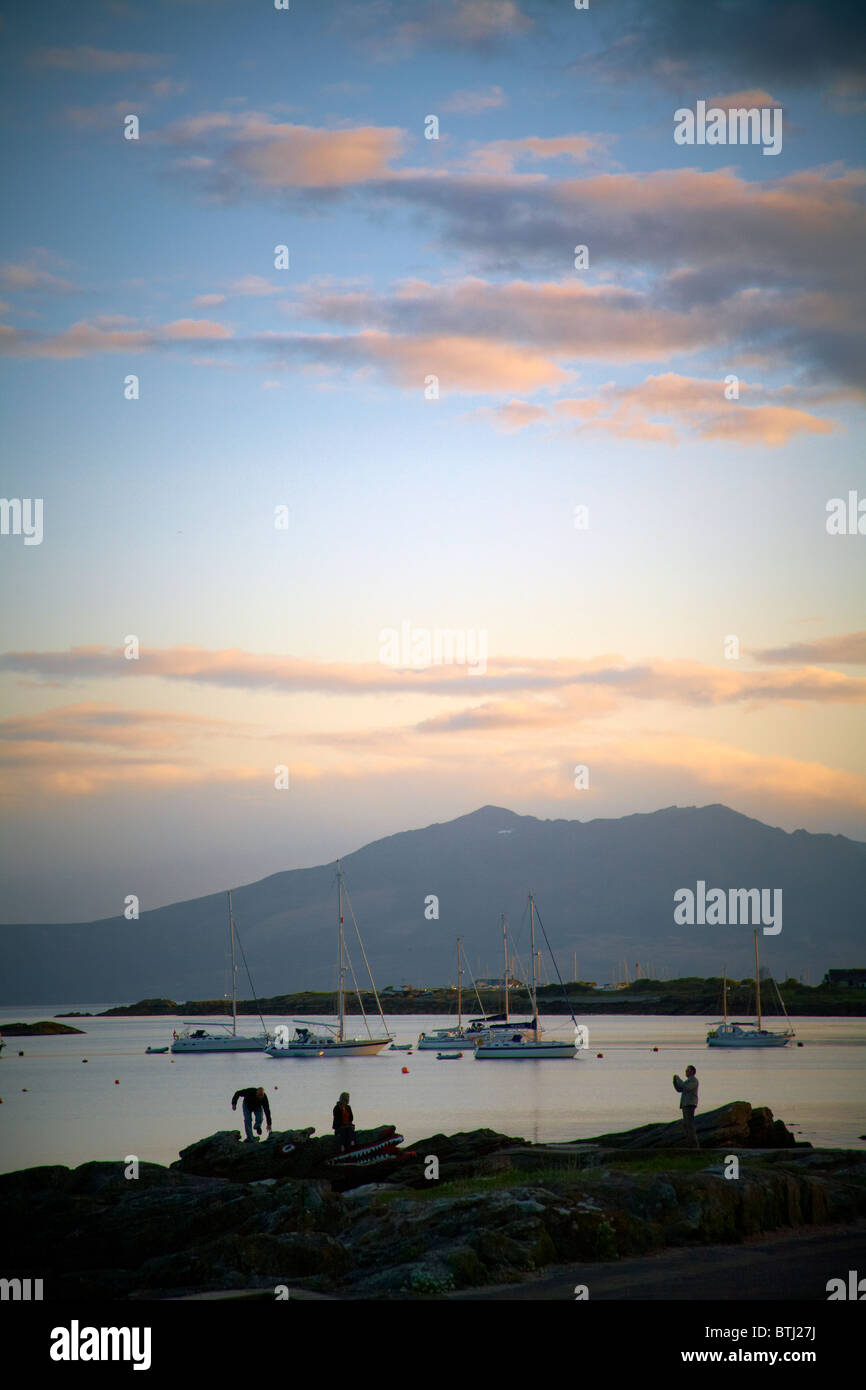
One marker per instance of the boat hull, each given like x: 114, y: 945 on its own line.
x: 229, y: 1044
x: 432, y: 1043
x: 349, y: 1047
x: 532, y: 1051
x: 749, y: 1040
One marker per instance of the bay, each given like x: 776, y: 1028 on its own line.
x: 57, y: 1109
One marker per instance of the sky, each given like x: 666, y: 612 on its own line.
x: 268, y: 478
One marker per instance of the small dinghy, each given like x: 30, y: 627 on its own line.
x: 448, y: 1056
x: 400, y: 1047
x: 156, y: 1049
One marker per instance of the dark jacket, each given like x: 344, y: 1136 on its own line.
x: 342, y: 1116
x: 252, y: 1101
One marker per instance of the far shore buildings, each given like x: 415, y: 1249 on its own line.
x: 846, y: 979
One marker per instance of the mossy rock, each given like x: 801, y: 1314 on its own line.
x: 496, y: 1249
x: 467, y: 1269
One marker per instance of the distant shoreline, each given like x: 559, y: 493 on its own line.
x: 668, y: 998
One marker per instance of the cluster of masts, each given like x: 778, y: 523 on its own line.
x: 490, y: 1036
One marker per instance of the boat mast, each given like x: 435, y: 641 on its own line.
x: 757, y: 983
x: 534, y: 963
x: 459, y: 988
x: 342, y: 967
x: 505, y: 947
x: 234, y: 969
x: 725, y: 996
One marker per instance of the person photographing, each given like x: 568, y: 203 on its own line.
x: 689, y: 1103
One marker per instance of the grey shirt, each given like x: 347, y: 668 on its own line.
x: 689, y: 1089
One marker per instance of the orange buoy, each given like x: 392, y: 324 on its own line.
x: 599, y: 1054
x: 84, y: 1059
x: 117, y: 1083
x: 655, y: 1049
x: 405, y: 1071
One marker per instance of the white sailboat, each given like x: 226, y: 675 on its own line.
x: 495, y: 1024
x: 727, y: 1034
x: 439, y: 1038
x: 500, y: 1042
x: 196, y: 1038
x: 324, y: 1039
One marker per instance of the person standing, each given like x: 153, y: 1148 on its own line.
x: 689, y: 1103
x: 255, y: 1102
x: 343, y: 1123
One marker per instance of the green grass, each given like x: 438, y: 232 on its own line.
x: 661, y: 1163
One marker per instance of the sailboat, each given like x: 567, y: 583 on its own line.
x: 492, y: 1024
x: 727, y: 1034
x: 438, y: 1038
x: 198, y: 1039
x: 498, y: 1043
x: 324, y: 1039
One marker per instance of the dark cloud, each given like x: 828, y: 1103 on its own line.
x: 739, y: 41
x: 848, y: 648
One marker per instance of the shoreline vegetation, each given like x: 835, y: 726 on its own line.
x: 46, y: 1028
x: 689, y: 995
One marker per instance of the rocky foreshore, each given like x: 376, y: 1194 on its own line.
x: 443, y: 1213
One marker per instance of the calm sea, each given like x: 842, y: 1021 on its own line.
x: 57, y: 1110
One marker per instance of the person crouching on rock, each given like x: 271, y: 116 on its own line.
x: 255, y: 1101
x: 342, y: 1123
x: 689, y: 1103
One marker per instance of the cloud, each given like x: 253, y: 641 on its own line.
x: 255, y: 152
x: 83, y: 59
x: 755, y: 96
x: 462, y: 364
x: 195, y: 329
x: 683, y: 682
x: 737, y: 773
x: 477, y: 25
x: 37, y: 770
x: 87, y: 337
x: 92, y: 723
x: 473, y: 103
x: 847, y: 648
x: 31, y: 277
x: 208, y: 301
x: 499, y: 157
x: 696, y: 406
x: 255, y: 286
x: 514, y: 415
x: 676, y: 41
x: 723, y: 261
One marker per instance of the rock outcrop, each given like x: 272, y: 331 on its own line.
x: 737, y: 1125
x: 230, y: 1216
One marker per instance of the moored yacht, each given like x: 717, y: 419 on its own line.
x: 503, y: 1042
x: 438, y: 1038
x: 328, y: 1040
x: 727, y: 1034
x: 196, y: 1038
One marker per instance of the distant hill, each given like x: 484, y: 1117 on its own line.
x: 605, y: 889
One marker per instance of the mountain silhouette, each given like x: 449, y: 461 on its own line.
x: 604, y: 888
